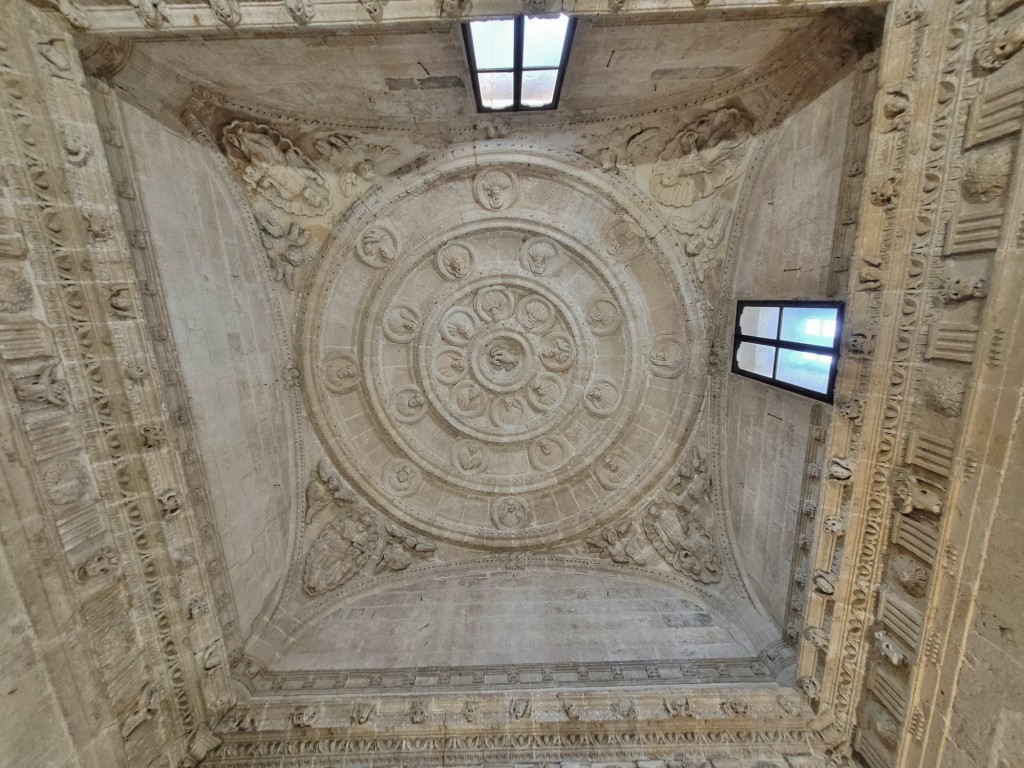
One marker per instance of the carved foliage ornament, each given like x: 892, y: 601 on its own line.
x: 276, y: 169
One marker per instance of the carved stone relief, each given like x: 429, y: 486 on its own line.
x: 498, y: 362
x: 275, y: 169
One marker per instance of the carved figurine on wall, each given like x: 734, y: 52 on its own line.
x: 681, y: 538
x: 340, y: 552
x: 701, y: 158
x: 325, y: 488
x: 353, y: 158
x: 273, y: 167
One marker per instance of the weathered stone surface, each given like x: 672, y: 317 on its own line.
x: 343, y: 425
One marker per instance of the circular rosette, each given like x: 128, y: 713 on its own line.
x: 341, y: 373
x: 470, y: 457
x: 541, y: 256
x: 506, y: 388
x: 667, y: 356
x: 409, y: 404
x: 511, y: 513
x: 454, y: 261
x: 401, y: 323
x: 377, y: 247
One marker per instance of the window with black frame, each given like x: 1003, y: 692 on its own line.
x: 518, y: 64
x: 789, y: 344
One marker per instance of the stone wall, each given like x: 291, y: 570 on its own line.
x: 233, y: 367
x: 987, y: 726
x: 785, y: 247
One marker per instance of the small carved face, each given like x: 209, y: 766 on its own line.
x: 377, y: 243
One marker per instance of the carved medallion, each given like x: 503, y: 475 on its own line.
x: 377, y: 247
x: 624, y: 239
x: 341, y: 373
x: 470, y: 457
x: 667, y: 357
x: 541, y: 256
x: 455, y: 261
x: 401, y: 478
x: 498, y: 362
x: 510, y: 513
x: 603, y: 317
x: 401, y: 323
x: 616, y: 468
x: 496, y: 189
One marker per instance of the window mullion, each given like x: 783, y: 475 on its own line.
x: 517, y: 63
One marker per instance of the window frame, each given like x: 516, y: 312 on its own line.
x: 517, y: 70
x: 778, y: 343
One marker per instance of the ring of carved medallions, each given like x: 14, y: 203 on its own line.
x: 504, y: 377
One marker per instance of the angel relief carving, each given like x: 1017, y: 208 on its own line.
x: 276, y: 169
x: 353, y: 158
x: 701, y: 235
x: 325, y: 489
x: 701, y: 158
x: 675, y: 526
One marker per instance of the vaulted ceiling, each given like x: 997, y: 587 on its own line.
x: 418, y: 439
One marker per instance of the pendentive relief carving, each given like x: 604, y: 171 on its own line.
x: 676, y: 524
x: 275, y: 169
x: 350, y: 536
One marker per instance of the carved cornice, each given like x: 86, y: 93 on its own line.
x: 117, y: 529
x: 154, y: 18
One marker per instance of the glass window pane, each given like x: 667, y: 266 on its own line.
x: 805, y: 369
x: 539, y: 87
x: 543, y: 40
x: 760, y: 321
x: 756, y: 358
x: 493, y: 42
x: 809, y: 325
x: 496, y: 89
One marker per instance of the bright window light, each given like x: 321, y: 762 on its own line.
x: 793, y: 345
x: 518, y: 64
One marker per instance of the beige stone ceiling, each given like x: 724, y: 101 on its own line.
x: 422, y: 73
x: 452, y: 387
